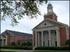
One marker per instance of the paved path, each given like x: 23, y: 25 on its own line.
x: 16, y: 50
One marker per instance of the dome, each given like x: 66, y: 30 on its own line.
x: 49, y: 6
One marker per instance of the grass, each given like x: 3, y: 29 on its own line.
x: 36, y: 51
x: 43, y: 51
x: 51, y: 51
x: 7, y: 51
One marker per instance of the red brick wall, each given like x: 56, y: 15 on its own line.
x: 62, y: 36
x: 50, y: 17
x: 17, y: 38
x: 8, y: 40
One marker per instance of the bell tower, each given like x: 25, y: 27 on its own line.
x: 50, y: 13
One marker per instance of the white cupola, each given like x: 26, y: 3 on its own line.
x: 50, y: 13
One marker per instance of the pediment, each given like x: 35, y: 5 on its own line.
x: 45, y: 24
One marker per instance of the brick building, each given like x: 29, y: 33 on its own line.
x: 8, y: 37
x: 50, y: 32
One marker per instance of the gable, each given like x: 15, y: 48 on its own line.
x: 50, y: 23
x: 45, y: 23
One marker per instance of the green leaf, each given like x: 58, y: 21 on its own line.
x: 43, y: 0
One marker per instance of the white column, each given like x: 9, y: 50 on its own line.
x: 6, y: 41
x: 42, y: 38
x: 35, y: 39
x: 49, y: 38
x: 58, y: 38
x: 38, y: 39
x: 2, y: 42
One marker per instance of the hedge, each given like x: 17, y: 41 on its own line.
x: 15, y: 47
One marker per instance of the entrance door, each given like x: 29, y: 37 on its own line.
x: 46, y: 38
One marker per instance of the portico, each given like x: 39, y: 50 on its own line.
x: 46, y: 38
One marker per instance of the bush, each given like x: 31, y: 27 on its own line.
x: 13, y: 44
x: 52, y: 48
x: 67, y: 43
x: 26, y: 44
x: 16, y: 47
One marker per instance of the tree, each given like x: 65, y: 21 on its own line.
x: 17, y: 8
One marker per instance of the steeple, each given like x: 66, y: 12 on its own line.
x: 50, y: 13
x: 49, y: 9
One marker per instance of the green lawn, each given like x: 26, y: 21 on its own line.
x: 7, y: 51
x: 10, y: 50
x: 51, y: 51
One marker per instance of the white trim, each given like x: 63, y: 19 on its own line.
x: 43, y: 29
x: 42, y: 37
x: 2, y: 42
x: 49, y: 38
x: 6, y: 41
x: 35, y: 39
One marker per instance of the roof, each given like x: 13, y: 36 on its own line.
x: 10, y: 32
x: 52, y: 21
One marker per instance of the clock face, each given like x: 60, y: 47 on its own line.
x: 49, y: 10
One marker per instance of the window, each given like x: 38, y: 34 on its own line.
x: 48, y: 43
x: 56, y: 43
x: 45, y: 32
x: 0, y: 42
x: 53, y: 32
x: 45, y: 24
x: 4, y: 41
x: 3, y: 36
x: 39, y: 38
x: 43, y: 43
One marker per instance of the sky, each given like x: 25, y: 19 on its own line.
x: 26, y: 24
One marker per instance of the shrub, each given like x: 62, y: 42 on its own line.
x: 68, y: 42
x: 16, y: 47
x: 13, y: 43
